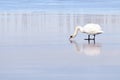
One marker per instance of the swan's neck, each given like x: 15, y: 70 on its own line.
x: 77, y: 29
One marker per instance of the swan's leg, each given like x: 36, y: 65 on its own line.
x: 88, y: 37
x: 94, y: 36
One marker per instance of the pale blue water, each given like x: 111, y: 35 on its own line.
x: 36, y: 46
x: 81, y: 6
x: 34, y: 40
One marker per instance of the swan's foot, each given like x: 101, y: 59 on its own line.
x: 89, y: 39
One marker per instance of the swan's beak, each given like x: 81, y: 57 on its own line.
x: 70, y: 37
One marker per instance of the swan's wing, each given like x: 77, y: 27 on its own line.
x: 92, y: 29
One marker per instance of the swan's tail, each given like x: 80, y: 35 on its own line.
x: 100, y: 32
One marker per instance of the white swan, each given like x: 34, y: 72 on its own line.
x: 90, y: 29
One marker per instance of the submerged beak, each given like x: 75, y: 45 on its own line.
x: 69, y: 38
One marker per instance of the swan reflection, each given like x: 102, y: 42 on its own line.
x: 90, y: 49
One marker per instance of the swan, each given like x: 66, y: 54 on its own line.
x: 89, y: 29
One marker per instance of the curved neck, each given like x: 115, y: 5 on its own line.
x: 78, y: 28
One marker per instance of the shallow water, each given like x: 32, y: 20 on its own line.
x: 36, y: 46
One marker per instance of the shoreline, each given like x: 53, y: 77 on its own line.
x: 113, y: 12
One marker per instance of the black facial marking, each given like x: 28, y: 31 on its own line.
x: 70, y: 36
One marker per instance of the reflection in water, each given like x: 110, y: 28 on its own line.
x: 41, y: 53
x: 20, y: 23
x: 90, y: 49
x: 89, y: 41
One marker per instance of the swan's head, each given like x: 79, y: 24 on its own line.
x: 77, y: 28
x: 71, y: 37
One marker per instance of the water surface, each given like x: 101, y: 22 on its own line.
x: 81, y: 6
x: 36, y: 46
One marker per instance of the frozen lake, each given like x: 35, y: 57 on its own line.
x: 36, y: 46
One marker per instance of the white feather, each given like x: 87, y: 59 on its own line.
x: 90, y: 29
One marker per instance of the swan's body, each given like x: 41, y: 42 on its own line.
x: 90, y: 29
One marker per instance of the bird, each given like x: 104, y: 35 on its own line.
x: 89, y: 29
